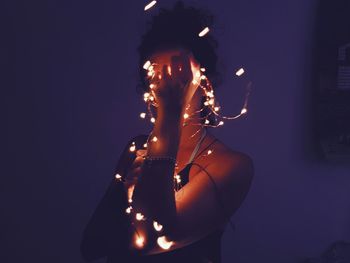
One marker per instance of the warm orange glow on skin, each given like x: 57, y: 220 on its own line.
x: 169, y: 70
x: 130, y: 192
x: 139, y: 240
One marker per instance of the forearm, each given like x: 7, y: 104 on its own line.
x: 154, y: 193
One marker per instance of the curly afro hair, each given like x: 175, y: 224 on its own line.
x: 179, y: 27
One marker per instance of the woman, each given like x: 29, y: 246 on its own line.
x: 163, y: 224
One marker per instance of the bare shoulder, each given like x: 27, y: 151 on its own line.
x: 232, y: 172
x: 236, y: 163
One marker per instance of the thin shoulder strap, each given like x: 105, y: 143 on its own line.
x: 197, y: 146
x: 212, y: 142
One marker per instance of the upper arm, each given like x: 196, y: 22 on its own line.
x: 106, y: 228
x: 203, y: 207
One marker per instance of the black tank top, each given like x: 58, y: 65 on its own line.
x: 205, y: 250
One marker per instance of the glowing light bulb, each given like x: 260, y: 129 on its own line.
x: 216, y: 108
x: 211, y: 101
x: 130, y: 200
x: 158, y: 227
x: 154, y: 139
x: 142, y: 115
x: 203, y: 32
x: 140, y: 241
x: 150, y: 5
x: 146, y: 96
x: 132, y: 147
x: 206, y: 103
x: 164, y: 243
x: 169, y: 70
x: 145, y: 145
x: 210, y: 94
x: 153, y: 120
x: 186, y: 115
x: 209, y: 152
x: 221, y: 123
x: 152, y: 86
x: 202, y: 69
x: 206, y: 121
x: 128, y: 210
x: 118, y: 177
x: 240, y: 72
x: 243, y: 111
x: 147, y: 64
x: 140, y: 216
x: 178, y: 178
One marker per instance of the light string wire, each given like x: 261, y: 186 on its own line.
x: 213, y: 107
x: 209, y: 103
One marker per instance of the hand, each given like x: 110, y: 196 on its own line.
x: 172, y: 84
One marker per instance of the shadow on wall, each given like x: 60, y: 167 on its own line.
x: 331, y: 82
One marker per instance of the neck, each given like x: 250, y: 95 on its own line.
x: 190, y: 136
x: 190, y: 133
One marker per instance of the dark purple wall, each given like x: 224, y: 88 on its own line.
x: 76, y: 72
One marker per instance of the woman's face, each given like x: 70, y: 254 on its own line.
x: 163, y: 57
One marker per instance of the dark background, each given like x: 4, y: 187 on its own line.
x: 75, y: 75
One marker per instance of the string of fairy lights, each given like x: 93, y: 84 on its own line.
x: 149, y: 98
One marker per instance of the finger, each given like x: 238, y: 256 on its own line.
x: 133, y: 173
x: 132, y: 180
x: 186, y: 72
x: 137, y: 163
x: 176, y: 67
x: 141, y: 152
x: 129, y: 184
x: 165, y: 73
